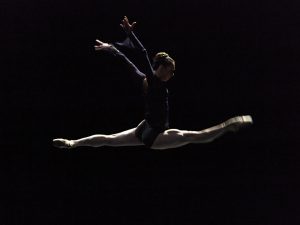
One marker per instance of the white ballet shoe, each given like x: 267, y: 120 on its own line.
x: 238, y: 122
x: 62, y: 143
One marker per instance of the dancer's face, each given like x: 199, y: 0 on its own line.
x: 165, y: 73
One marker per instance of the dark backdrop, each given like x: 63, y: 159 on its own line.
x: 232, y: 58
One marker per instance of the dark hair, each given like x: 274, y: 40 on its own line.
x: 162, y: 58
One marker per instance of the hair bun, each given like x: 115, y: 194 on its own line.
x: 162, y: 58
x: 161, y: 55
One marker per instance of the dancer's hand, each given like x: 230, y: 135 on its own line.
x: 103, y: 46
x: 127, y: 27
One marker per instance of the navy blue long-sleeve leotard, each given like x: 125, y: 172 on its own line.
x: 156, y: 95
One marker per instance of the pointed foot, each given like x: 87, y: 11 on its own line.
x: 236, y: 123
x: 62, y: 143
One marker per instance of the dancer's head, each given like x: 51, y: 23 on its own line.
x: 164, y: 66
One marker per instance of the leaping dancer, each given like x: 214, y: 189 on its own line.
x: 153, y: 132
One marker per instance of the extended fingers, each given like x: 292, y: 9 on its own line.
x: 126, y: 19
x: 102, y: 45
x: 99, y: 45
x: 99, y: 42
x: 126, y: 24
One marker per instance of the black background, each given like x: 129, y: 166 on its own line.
x: 232, y: 58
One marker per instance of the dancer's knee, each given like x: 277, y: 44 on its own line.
x: 101, y: 140
x: 172, y: 138
x: 204, y: 136
x: 109, y: 139
x: 176, y: 134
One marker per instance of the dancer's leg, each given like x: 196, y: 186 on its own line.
x: 125, y: 138
x: 174, y: 138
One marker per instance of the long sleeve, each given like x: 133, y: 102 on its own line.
x: 132, y: 42
x: 136, y: 75
x: 147, y: 68
x: 132, y: 68
x: 136, y: 41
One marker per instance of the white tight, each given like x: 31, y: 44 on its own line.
x: 172, y: 138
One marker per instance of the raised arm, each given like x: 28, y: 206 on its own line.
x: 128, y: 28
x: 133, y: 42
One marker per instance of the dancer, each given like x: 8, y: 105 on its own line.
x: 153, y: 132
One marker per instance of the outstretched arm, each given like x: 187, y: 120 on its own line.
x: 102, y: 46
